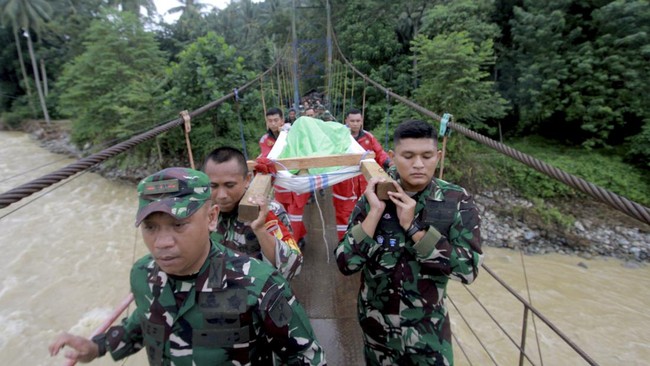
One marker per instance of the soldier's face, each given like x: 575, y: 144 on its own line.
x: 274, y: 122
x: 179, y: 246
x: 355, y: 122
x: 415, y: 160
x: 228, y: 183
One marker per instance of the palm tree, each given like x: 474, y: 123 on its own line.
x: 133, y: 5
x: 26, y: 15
x: 188, y: 6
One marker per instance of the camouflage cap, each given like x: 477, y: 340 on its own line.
x: 179, y: 192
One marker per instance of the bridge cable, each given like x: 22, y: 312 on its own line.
x: 462, y: 349
x: 530, y: 301
x: 42, y: 195
x: 241, y: 124
x: 345, y: 89
x: 614, y: 200
x: 27, y: 189
x: 498, y: 324
x: 387, y: 120
x: 33, y: 169
x: 363, y: 102
x: 541, y: 316
x: 262, y: 94
x: 472, y: 331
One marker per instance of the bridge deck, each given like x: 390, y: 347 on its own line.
x: 329, y: 298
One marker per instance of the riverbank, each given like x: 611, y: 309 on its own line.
x: 508, y: 220
x: 598, y: 230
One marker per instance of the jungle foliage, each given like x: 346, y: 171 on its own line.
x: 576, y: 72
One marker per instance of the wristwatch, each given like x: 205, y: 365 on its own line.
x: 100, y: 341
x: 414, y: 228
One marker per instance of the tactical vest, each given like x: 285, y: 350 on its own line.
x: 223, y: 319
x: 439, y: 214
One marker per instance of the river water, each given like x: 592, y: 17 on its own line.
x: 67, y: 251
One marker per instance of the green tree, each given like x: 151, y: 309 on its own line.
x: 455, y: 55
x: 366, y: 32
x: 190, y: 25
x: 207, y: 70
x: 454, y: 81
x: 134, y: 5
x: 187, y: 6
x: 25, y: 15
x: 113, y: 89
x: 583, y: 68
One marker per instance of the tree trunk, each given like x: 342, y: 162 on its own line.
x: 28, y: 89
x: 37, y: 77
x: 44, y: 75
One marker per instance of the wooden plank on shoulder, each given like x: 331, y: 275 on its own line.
x: 371, y: 169
x: 260, y: 186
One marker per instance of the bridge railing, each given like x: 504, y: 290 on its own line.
x: 517, y: 342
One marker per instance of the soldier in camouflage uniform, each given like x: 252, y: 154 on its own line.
x: 197, y: 302
x: 267, y: 238
x: 407, y: 248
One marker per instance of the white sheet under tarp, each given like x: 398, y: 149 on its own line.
x: 310, y: 183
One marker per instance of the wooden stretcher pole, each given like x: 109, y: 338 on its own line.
x: 109, y: 321
x: 260, y: 186
x: 188, y: 127
x: 371, y: 169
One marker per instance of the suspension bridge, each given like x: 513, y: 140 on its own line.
x: 328, y: 297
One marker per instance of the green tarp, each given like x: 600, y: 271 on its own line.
x: 313, y: 137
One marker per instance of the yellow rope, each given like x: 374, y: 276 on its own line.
x: 345, y: 89
x: 262, y: 91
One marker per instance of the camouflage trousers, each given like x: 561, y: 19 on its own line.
x: 411, y: 347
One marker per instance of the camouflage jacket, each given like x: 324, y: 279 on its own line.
x: 403, y: 283
x: 240, y: 237
x: 235, y: 311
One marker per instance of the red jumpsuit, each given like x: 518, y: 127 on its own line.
x: 346, y: 193
x: 293, y: 202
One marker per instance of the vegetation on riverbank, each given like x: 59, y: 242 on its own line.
x: 571, y: 71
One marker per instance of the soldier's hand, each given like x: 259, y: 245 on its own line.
x: 82, y: 349
x: 404, y: 204
x: 263, y: 203
x: 371, y: 195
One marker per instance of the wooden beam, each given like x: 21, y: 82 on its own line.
x: 260, y: 186
x: 322, y: 161
x: 371, y: 169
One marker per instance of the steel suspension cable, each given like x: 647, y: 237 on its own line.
x: 27, y: 189
x: 345, y: 88
x: 614, y: 200
x: 363, y: 103
x: 277, y: 77
x: 352, y: 92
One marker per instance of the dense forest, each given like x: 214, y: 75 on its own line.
x: 568, y: 73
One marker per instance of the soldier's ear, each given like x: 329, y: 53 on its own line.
x: 213, y: 216
x: 248, y: 178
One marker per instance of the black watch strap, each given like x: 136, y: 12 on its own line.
x: 100, y: 340
x: 414, y: 228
